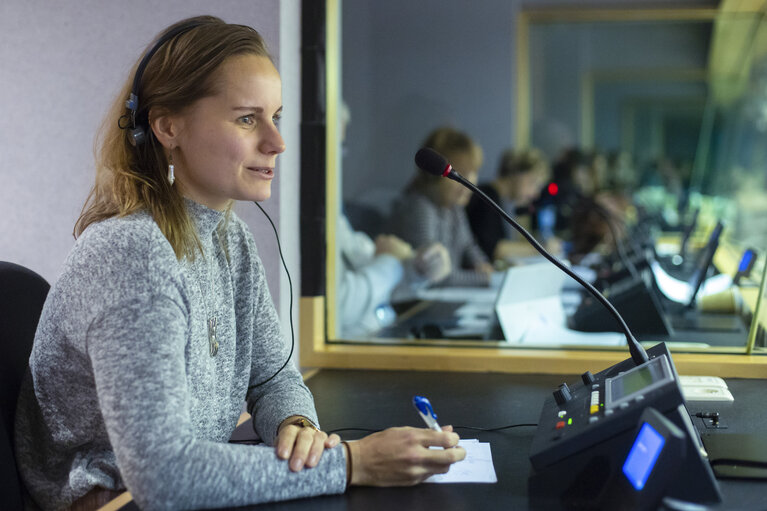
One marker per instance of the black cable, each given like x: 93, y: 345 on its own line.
x: 364, y: 430
x: 290, y: 309
x: 638, y: 354
x: 500, y: 428
x: 473, y: 428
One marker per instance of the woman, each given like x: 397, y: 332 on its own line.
x: 521, y: 174
x: 432, y: 209
x: 161, y: 324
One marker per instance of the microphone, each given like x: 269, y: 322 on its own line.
x: 431, y: 162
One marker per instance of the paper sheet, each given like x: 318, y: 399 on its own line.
x: 459, y: 294
x: 476, y: 467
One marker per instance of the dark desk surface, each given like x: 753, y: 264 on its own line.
x: 379, y: 399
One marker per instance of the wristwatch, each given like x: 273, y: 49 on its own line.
x: 303, y: 422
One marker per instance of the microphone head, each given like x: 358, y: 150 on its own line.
x: 432, y: 162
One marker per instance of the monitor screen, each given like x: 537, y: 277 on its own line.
x: 746, y: 261
x: 704, y: 261
x: 642, y: 456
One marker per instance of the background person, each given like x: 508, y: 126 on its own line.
x: 432, y: 209
x: 521, y: 176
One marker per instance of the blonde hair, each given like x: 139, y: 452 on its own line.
x: 450, y: 143
x: 514, y: 163
x: 131, y: 178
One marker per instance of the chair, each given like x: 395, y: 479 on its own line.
x: 22, y: 294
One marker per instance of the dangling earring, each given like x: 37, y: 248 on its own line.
x: 171, y: 168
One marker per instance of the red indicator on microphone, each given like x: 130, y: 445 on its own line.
x: 553, y: 189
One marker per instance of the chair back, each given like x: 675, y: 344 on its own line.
x: 22, y: 295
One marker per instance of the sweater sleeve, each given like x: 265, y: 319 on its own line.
x: 137, y: 353
x: 274, y: 392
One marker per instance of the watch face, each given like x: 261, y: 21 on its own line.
x: 305, y: 423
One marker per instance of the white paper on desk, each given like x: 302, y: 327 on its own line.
x: 546, y: 334
x: 476, y: 467
x: 458, y: 294
x: 531, y: 312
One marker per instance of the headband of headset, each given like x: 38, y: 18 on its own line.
x: 137, y: 133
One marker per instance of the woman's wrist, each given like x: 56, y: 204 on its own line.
x: 353, y: 466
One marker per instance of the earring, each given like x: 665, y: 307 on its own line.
x: 171, y: 168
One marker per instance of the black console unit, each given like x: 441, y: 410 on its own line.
x: 586, y: 430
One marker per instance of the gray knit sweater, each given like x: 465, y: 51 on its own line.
x: 419, y: 220
x: 124, y: 393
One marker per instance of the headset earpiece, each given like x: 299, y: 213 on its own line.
x: 137, y: 133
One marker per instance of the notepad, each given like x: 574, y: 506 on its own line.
x: 476, y: 467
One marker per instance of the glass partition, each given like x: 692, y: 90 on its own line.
x: 652, y: 120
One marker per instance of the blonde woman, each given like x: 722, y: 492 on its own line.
x: 161, y: 325
x: 432, y: 209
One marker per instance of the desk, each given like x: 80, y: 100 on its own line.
x: 379, y: 399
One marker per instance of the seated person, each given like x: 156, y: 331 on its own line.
x: 161, y: 325
x: 432, y: 209
x: 371, y: 272
x: 521, y: 175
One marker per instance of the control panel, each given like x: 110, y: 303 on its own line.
x: 602, y: 406
x: 587, y: 427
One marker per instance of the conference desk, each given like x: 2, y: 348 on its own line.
x: 380, y: 399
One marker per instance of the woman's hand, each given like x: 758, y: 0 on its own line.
x: 401, y: 456
x: 392, y: 245
x: 302, y: 445
x: 433, y: 262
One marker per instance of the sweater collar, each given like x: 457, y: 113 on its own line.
x: 205, y: 219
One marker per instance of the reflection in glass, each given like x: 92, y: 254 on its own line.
x: 647, y: 138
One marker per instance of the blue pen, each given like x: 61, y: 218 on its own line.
x: 426, y: 412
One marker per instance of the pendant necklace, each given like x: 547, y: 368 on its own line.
x: 212, y: 320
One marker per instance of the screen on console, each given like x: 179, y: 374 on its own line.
x: 643, y: 455
x: 628, y: 385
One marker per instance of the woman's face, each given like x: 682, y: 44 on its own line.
x: 227, y: 144
x: 526, y: 187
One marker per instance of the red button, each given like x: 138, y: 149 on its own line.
x: 560, y: 424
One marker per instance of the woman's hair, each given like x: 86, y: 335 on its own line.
x: 131, y: 178
x: 450, y: 143
x: 514, y: 163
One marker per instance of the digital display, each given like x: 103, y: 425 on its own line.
x: 636, y: 380
x: 643, y: 455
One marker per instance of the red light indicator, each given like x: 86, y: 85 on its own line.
x: 553, y: 189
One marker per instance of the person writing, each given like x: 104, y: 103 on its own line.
x: 161, y: 325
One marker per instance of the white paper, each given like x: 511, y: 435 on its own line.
x: 458, y: 294
x: 476, y: 467
x: 541, y: 333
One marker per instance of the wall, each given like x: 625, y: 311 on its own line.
x: 455, y: 61
x: 61, y: 68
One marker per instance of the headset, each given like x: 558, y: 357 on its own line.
x: 138, y: 133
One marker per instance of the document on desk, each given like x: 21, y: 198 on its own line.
x: 476, y: 467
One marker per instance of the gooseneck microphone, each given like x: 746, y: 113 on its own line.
x: 432, y: 162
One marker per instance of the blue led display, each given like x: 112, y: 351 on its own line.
x: 643, y: 455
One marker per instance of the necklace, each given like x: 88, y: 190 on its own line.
x: 212, y: 319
